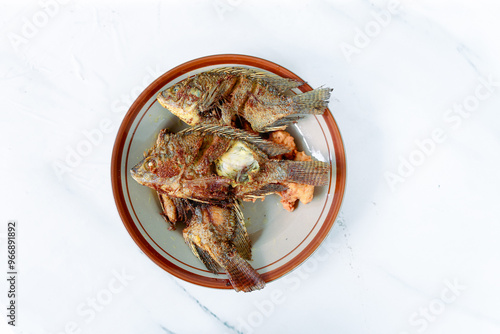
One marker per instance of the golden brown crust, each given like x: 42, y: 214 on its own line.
x: 284, y: 138
x: 295, y: 191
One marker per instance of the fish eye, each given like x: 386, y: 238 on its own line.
x: 175, y: 89
x: 150, y: 164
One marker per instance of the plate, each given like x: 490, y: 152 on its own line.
x: 281, y: 240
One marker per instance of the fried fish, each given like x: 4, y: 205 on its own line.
x: 216, y: 163
x: 217, y: 96
x: 174, y: 210
x: 217, y: 235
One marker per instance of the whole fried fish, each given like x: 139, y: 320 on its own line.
x: 217, y: 236
x: 215, y: 163
x: 218, y: 95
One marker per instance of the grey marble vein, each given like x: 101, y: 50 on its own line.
x: 207, y: 310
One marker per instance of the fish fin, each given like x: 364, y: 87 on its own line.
x: 241, y: 240
x: 314, y: 173
x: 242, y: 276
x: 205, y: 257
x: 279, y: 83
x: 166, y: 201
x: 268, y: 147
x: 268, y: 189
x: 312, y: 102
x: 183, y: 207
x: 210, y: 99
x: 309, y: 103
x: 281, y: 123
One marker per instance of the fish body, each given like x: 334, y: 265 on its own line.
x: 217, y: 236
x: 216, y: 163
x: 217, y: 96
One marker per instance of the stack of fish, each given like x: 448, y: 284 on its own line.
x: 203, y: 172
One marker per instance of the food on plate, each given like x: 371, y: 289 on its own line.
x: 217, y: 236
x: 217, y: 96
x: 216, y: 163
x: 297, y: 191
x: 294, y: 191
x: 202, y: 173
x: 283, y: 138
x: 174, y: 210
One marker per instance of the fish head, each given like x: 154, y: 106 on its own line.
x: 182, y: 100
x: 145, y: 172
x: 158, y: 173
x: 160, y: 168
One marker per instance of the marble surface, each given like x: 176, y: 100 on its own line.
x: 417, y: 94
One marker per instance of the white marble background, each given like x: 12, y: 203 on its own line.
x: 417, y: 95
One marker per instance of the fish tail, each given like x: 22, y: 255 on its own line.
x: 309, y: 103
x: 313, y: 102
x: 242, y: 276
x: 314, y: 173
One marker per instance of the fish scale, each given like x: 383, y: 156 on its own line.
x: 218, y: 96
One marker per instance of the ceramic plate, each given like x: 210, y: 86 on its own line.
x: 281, y: 240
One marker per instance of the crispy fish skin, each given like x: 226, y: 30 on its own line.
x: 217, y: 96
x: 217, y: 236
x: 186, y: 165
x: 174, y: 210
x: 180, y: 166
